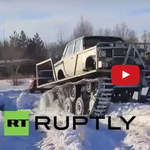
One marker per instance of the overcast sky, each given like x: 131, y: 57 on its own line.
x: 47, y: 16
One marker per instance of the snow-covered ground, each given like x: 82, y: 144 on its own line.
x: 85, y: 137
x: 5, y: 85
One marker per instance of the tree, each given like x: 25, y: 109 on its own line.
x: 23, y: 40
x: 100, y: 32
x: 107, y: 32
x: 146, y: 39
x: 36, y: 49
x: 83, y: 28
x: 123, y: 31
x: 13, y: 67
x: 61, y: 44
x: 56, y: 49
x: 41, y: 52
x: 14, y: 39
x: 132, y: 37
x: 1, y: 50
x: 145, y: 36
x: 14, y: 53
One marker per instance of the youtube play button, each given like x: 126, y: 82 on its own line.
x: 125, y: 74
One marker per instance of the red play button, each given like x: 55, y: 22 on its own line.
x: 125, y: 74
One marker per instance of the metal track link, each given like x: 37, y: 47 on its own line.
x: 103, y: 98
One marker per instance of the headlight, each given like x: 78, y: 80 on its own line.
x: 142, y: 54
x: 102, y: 53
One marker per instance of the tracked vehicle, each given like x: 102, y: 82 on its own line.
x: 82, y: 77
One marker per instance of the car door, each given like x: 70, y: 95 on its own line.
x: 71, y: 57
x: 74, y: 59
x: 69, y: 60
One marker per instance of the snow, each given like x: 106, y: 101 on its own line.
x: 2, y: 62
x: 7, y: 103
x: 5, y: 85
x: 103, y: 138
x: 60, y: 140
x: 137, y: 137
x: 85, y: 137
x: 19, y: 100
x: 26, y: 101
x: 19, y: 142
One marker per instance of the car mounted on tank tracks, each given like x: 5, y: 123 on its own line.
x: 83, y: 74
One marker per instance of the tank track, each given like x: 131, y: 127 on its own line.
x: 103, y: 89
x: 103, y: 97
x: 102, y: 94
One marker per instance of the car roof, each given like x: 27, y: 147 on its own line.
x: 110, y: 38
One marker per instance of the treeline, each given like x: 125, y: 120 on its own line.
x: 21, y: 46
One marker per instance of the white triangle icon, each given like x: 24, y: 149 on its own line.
x: 124, y: 74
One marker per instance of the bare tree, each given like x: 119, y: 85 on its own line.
x: 55, y: 49
x: 13, y: 55
x: 83, y: 28
x: 13, y: 67
x: 60, y: 35
x: 61, y: 41
x: 107, y: 32
x: 100, y: 32
x: 146, y: 39
x: 123, y: 31
x: 132, y: 37
x: 145, y: 36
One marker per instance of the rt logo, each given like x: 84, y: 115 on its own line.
x: 16, y: 123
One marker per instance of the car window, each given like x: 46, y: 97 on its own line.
x: 77, y: 46
x: 69, y: 49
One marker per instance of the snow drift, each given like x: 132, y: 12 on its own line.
x: 6, y: 103
x: 137, y: 137
x: 19, y: 142
x: 68, y: 139
x: 87, y: 137
x: 26, y: 101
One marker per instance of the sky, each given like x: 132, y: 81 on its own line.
x: 48, y: 17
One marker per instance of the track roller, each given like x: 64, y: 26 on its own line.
x: 91, y: 102
x: 68, y: 105
x: 79, y: 106
x: 72, y: 93
x: 88, y: 87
